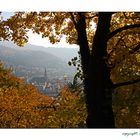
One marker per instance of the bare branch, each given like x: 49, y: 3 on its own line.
x: 113, y: 33
x: 126, y: 83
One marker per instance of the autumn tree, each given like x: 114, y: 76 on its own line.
x: 96, y: 33
x: 124, y: 55
x: 21, y: 105
x: 70, y: 110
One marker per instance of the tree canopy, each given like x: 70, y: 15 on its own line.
x: 123, y: 37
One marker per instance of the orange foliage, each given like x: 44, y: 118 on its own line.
x: 21, y: 104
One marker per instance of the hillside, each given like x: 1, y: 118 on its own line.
x: 31, y: 56
x: 64, y: 54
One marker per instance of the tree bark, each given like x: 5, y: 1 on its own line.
x: 97, y: 83
x: 99, y: 86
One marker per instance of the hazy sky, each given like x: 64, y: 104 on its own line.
x: 37, y: 39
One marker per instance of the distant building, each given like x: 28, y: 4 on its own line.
x: 39, y: 80
x: 44, y: 85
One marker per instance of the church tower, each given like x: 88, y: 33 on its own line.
x: 45, y: 73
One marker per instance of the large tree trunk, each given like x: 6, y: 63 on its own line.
x: 97, y: 83
x: 99, y: 86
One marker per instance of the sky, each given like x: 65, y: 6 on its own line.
x: 64, y: 5
x: 36, y: 39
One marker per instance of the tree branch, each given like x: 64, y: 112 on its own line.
x: 125, y: 15
x: 72, y: 17
x: 113, y: 33
x: 83, y: 42
x: 90, y: 17
x: 135, y: 49
x: 126, y: 83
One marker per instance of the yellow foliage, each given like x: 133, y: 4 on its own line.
x: 70, y: 111
x: 22, y: 106
x: 19, y: 103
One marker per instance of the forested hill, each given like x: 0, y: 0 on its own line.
x: 64, y: 54
x: 29, y: 58
x: 37, y: 56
